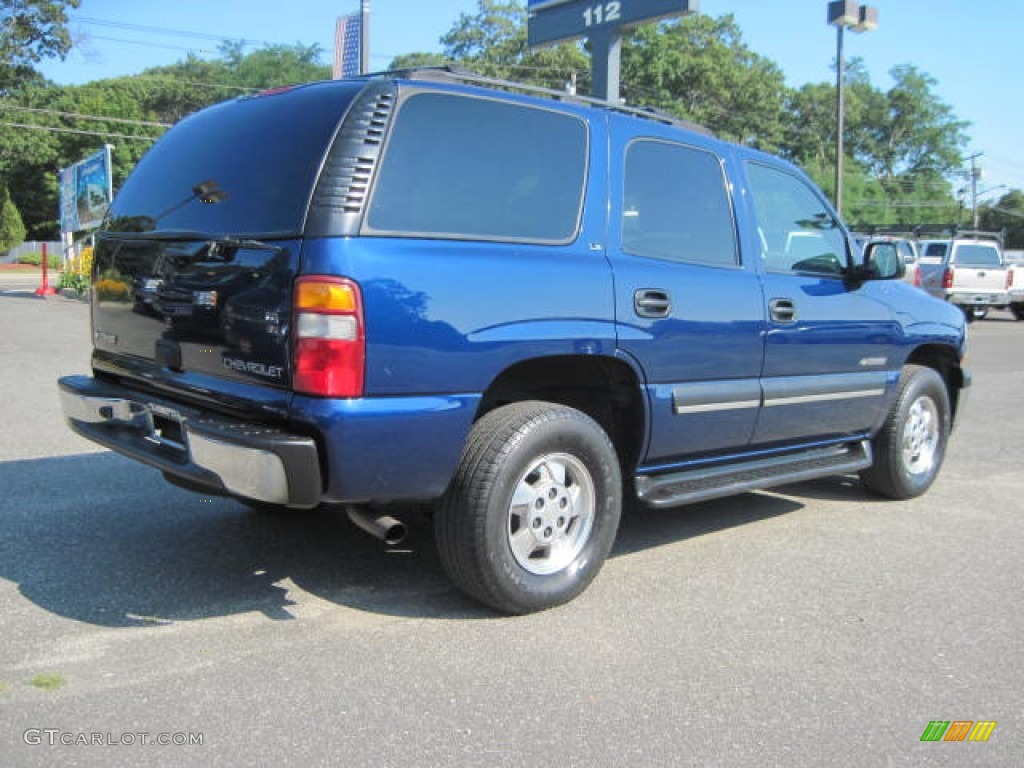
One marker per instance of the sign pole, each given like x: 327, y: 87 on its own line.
x: 606, y: 59
x: 602, y: 23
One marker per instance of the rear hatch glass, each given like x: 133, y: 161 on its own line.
x: 195, y: 263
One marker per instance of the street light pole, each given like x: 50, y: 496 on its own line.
x: 843, y: 14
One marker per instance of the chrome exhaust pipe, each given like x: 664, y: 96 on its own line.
x: 386, y: 528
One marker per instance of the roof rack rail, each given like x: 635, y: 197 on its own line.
x: 954, y: 230
x: 452, y: 73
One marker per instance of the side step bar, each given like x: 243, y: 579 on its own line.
x: 703, y: 483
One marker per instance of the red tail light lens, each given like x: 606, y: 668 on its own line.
x: 329, y: 337
x: 1009, y: 279
x: 917, y: 278
x: 947, y: 278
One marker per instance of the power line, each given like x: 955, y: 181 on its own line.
x: 93, y: 21
x: 54, y: 129
x: 146, y: 43
x: 79, y: 115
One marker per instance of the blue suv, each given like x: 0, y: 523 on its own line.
x: 523, y: 308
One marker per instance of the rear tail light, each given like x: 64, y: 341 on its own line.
x: 947, y: 278
x: 329, y: 337
x: 917, y: 278
x: 1009, y: 279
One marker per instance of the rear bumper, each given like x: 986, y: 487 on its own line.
x: 978, y: 298
x: 209, y: 453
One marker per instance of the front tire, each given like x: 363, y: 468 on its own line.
x: 532, y: 512
x: 909, y: 449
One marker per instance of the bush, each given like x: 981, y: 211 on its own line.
x: 36, y: 259
x: 12, y: 229
x: 113, y: 290
x: 74, y: 281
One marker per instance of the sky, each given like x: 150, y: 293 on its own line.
x: 972, y: 48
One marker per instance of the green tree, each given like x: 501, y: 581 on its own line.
x: 30, y: 31
x: 700, y: 69
x: 1007, y: 215
x: 492, y: 42
x: 12, y: 230
x: 901, y: 147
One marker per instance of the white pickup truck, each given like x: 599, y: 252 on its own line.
x: 966, y: 269
x: 1015, y: 263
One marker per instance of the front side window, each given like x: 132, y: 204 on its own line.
x: 797, y: 233
x: 676, y: 206
x: 481, y: 169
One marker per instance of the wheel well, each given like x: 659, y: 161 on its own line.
x: 604, y: 388
x: 944, y: 360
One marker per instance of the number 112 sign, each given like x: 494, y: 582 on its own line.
x: 555, y: 20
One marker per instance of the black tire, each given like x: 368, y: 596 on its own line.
x: 968, y: 314
x: 909, y: 449
x: 494, y: 550
x: 1018, y: 311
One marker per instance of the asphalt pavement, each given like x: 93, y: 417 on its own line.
x: 812, y: 626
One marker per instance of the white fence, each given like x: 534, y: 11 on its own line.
x: 53, y: 247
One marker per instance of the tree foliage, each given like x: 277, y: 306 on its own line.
x: 903, y: 145
x: 30, y: 31
x: 700, y: 69
x: 12, y: 230
x: 1007, y: 215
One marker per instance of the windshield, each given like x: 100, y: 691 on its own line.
x: 243, y: 167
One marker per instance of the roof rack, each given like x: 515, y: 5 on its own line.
x: 950, y: 231
x: 451, y: 73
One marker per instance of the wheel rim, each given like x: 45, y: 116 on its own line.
x: 551, y: 513
x: 921, y: 436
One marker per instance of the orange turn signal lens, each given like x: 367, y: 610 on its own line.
x: 323, y: 296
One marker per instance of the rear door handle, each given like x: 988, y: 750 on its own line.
x: 782, y: 310
x: 652, y: 302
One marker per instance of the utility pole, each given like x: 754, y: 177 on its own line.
x: 975, y: 175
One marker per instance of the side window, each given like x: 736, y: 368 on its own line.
x: 675, y: 205
x: 797, y: 233
x: 481, y: 169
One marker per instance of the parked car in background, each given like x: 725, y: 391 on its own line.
x: 1015, y: 264
x: 966, y: 268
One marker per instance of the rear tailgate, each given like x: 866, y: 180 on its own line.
x: 978, y: 267
x: 216, y: 307
x: 195, y: 264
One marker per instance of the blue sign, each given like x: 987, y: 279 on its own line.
x: 554, y: 20
x: 85, y: 192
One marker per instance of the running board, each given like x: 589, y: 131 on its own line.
x: 703, y: 483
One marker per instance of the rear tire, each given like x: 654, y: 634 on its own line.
x: 532, y: 512
x: 1018, y: 311
x: 909, y: 449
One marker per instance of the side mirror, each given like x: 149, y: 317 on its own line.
x: 882, y: 261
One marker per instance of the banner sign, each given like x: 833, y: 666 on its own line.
x: 86, y: 189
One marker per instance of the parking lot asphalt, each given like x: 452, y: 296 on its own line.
x: 814, y: 625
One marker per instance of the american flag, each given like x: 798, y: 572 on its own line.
x: 346, y: 46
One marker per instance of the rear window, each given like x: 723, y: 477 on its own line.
x: 480, y: 169
x: 244, y: 167
x: 969, y: 254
